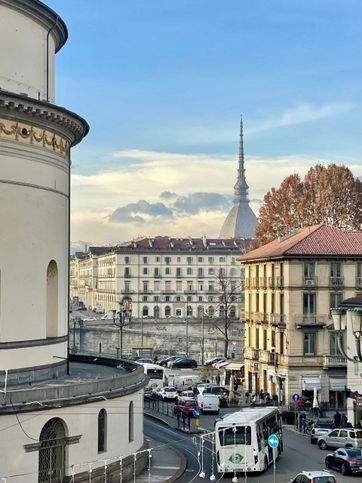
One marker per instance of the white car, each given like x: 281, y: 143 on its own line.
x: 89, y: 319
x: 314, y: 477
x: 208, y: 403
x: 167, y: 393
x: 185, y: 395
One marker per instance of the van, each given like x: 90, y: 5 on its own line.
x: 208, y: 403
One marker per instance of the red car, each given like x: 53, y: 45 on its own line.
x: 186, y: 407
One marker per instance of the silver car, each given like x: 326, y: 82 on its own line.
x: 341, y: 438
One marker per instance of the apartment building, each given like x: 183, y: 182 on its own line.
x: 291, y: 284
x: 165, y: 277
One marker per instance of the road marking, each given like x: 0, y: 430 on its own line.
x: 165, y: 467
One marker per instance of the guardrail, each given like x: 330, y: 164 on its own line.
x: 183, y: 422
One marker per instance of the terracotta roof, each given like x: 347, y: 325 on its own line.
x: 317, y: 240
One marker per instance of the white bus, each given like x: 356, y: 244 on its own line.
x: 241, y: 440
x: 155, y: 373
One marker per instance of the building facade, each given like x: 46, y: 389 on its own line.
x: 54, y: 413
x: 165, y: 277
x: 291, y: 284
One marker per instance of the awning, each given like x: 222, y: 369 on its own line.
x: 337, y: 383
x: 311, y: 382
x: 234, y: 366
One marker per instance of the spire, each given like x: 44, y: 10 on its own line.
x: 241, y: 187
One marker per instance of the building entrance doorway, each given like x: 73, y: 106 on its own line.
x: 52, y: 452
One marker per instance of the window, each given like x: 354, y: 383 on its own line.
x: 221, y: 311
x: 232, y: 312
x: 333, y: 344
x: 273, y: 339
x: 309, y: 344
x: 167, y: 298
x: 200, y: 272
x: 335, y: 269
x: 272, y: 305
x: 126, y: 260
x: 189, y: 311
x: 232, y: 272
x: 189, y: 298
x: 127, y: 272
x: 230, y: 437
x: 144, y: 270
x: 168, y: 285
x: 222, y: 259
x: 130, y: 422
x: 265, y: 338
x: 189, y: 271
x: 52, y: 300
x: 156, y: 272
x: 211, y: 311
x: 210, y: 259
x: 178, y: 285
x: 257, y: 338
x: 145, y: 311
x: 335, y: 299
x: 222, y: 272
x: 200, y: 298
x: 309, y: 270
x: 127, y: 286
x: 158, y: 259
x: 211, y: 271
x: 145, y: 287
x: 167, y: 271
x: 156, y: 286
x: 343, y: 433
x: 167, y: 260
x: 200, y: 259
x: 189, y: 260
x: 201, y: 287
x: 145, y: 260
x: 144, y: 298
x: 178, y: 299
x: 178, y: 272
x: 309, y: 303
x: 281, y: 343
x: 178, y: 313
x: 178, y: 259
x: 102, y: 421
x: 256, y: 302
x: 281, y: 302
x: 167, y: 310
x: 264, y: 303
x: 156, y: 312
x: 156, y: 298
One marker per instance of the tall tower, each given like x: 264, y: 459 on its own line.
x: 241, y: 220
x: 36, y: 136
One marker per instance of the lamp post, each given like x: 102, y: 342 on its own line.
x: 203, y: 337
x: 187, y: 328
x: 124, y: 317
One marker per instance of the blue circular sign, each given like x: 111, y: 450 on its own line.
x: 273, y: 441
x: 295, y: 397
x: 196, y: 413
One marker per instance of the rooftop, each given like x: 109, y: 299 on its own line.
x: 311, y: 241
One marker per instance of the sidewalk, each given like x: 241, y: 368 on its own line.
x: 167, y: 464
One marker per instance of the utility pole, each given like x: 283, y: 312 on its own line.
x: 187, y: 329
x: 203, y: 337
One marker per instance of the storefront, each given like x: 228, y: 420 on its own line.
x: 310, y: 384
x: 337, y: 393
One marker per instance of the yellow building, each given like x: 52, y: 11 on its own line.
x: 290, y: 286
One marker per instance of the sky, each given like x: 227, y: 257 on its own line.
x: 163, y: 84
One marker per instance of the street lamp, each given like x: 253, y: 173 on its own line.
x: 340, y: 320
x: 124, y: 318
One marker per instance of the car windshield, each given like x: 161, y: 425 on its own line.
x: 356, y: 434
x: 354, y: 453
x: 324, y: 479
x: 190, y: 403
x: 170, y: 389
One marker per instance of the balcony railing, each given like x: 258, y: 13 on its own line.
x: 255, y: 282
x: 263, y: 282
x: 336, y: 281
x: 127, y: 275
x: 271, y: 282
x: 280, y: 282
x: 310, y: 282
x: 270, y: 358
x: 334, y: 361
x: 251, y: 353
x: 247, y: 283
x: 311, y: 320
x: 277, y: 320
x: 168, y: 291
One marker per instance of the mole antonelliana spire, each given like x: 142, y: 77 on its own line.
x: 241, y: 220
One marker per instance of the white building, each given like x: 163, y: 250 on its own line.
x: 51, y: 425
x: 163, y: 276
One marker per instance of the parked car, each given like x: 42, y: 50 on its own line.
x: 144, y: 360
x: 89, y: 319
x: 210, y: 362
x: 322, y: 426
x: 341, y: 438
x: 164, y: 362
x: 167, y: 393
x: 314, y: 477
x: 184, y: 363
x: 221, y: 392
x: 187, y: 407
x: 347, y: 461
x: 185, y: 395
x: 209, y: 403
x: 107, y: 316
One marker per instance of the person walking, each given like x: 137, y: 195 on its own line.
x: 217, y: 379
x: 344, y: 421
x: 337, y: 419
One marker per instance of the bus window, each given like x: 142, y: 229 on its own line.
x: 229, y: 436
x: 155, y: 373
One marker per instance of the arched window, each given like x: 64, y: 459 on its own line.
x: 52, y: 300
x: 167, y: 311
x: 102, y: 429
x: 156, y: 312
x: 52, y: 451
x: 189, y: 311
x: 130, y: 422
x: 145, y: 311
x: 232, y: 311
x: 211, y: 311
x: 221, y: 311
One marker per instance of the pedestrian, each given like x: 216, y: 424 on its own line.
x: 337, y: 419
x: 155, y: 359
x: 217, y: 378
x: 236, y: 384
x: 300, y: 404
x: 261, y: 396
x: 253, y: 400
x: 344, y: 421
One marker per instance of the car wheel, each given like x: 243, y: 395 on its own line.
x: 344, y: 469
x: 322, y: 445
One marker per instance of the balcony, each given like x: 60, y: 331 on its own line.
x: 336, y: 282
x: 278, y: 320
x: 310, y: 282
x: 168, y: 291
x: 271, y: 282
x: 246, y: 283
x: 255, y: 282
x: 259, y: 317
x: 334, y: 361
x: 146, y: 291
x: 192, y: 290
x: 280, y: 282
x: 157, y: 275
x: 311, y: 320
x: 127, y: 275
x: 250, y: 353
x: 270, y: 358
x: 126, y: 292
x: 263, y: 282
x: 359, y: 282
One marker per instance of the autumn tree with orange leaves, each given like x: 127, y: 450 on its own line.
x: 328, y: 194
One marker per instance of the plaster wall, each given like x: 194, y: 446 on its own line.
x: 23, y: 57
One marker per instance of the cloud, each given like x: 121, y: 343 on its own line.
x: 299, y: 114
x: 140, y: 212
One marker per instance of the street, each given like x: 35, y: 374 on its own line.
x: 298, y: 455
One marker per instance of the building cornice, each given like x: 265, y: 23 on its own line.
x: 52, y: 120
x: 43, y: 15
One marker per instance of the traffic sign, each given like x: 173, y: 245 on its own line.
x: 196, y: 413
x: 295, y: 397
x: 234, y: 349
x: 234, y: 343
x: 273, y: 441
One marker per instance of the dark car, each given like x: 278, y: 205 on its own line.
x: 184, y: 363
x: 222, y: 392
x: 164, y: 362
x: 186, y: 407
x: 345, y: 460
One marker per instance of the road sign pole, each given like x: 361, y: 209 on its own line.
x: 274, y: 464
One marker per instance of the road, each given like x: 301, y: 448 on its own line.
x: 298, y: 455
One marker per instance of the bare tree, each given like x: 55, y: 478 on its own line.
x: 223, y: 311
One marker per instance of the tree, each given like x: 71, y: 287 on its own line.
x: 328, y: 194
x: 223, y: 315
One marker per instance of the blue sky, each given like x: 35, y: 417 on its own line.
x: 163, y: 83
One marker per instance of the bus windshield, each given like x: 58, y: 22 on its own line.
x: 155, y: 373
x: 235, y: 435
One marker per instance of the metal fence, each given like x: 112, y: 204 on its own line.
x: 183, y: 422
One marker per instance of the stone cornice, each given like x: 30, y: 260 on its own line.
x: 43, y: 115
x: 43, y: 15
